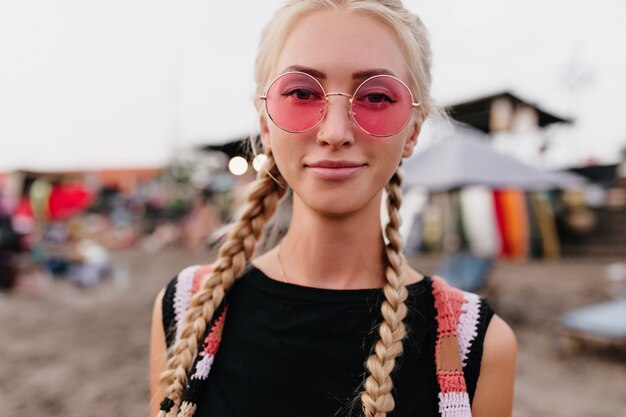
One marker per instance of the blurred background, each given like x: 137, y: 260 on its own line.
x: 123, y: 153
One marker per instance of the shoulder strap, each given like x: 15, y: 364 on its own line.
x: 177, y: 299
x: 178, y: 296
x: 453, y: 397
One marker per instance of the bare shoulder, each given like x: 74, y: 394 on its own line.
x: 156, y: 306
x: 494, y: 390
x: 500, y: 339
x: 158, y: 355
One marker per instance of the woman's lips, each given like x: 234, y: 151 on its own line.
x: 335, y: 170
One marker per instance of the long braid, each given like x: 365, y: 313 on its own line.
x: 233, y: 255
x: 376, y: 397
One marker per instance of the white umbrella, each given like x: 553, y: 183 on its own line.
x: 463, y: 160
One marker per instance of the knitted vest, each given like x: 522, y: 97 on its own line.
x: 457, y: 318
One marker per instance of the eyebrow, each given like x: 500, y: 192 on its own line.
x: 359, y: 75
x: 312, y: 72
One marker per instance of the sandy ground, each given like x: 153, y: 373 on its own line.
x: 70, y: 352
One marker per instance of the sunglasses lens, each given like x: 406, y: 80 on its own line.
x: 382, y: 105
x: 295, y: 102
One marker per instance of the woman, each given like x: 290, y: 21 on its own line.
x: 332, y: 320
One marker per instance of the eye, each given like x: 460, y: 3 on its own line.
x: 302, y: 94
x: 378, y: 95
x: 377, y: 98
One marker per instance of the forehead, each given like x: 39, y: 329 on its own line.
x: 340, y: 43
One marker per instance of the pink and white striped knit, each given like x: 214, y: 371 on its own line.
x: 457, y: 318
x: 187, y: 284
x: 211, y: 346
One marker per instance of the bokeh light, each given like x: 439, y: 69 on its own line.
x: 238, y: 165
x: 258, y: 161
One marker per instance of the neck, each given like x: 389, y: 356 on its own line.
x: 342, y: 252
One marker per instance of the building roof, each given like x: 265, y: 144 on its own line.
x: 235, y: 147
x: 603, y: 174
x: 477, y: 112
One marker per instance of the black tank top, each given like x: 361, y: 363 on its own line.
x: 294, y: 351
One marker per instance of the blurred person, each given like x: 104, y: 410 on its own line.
x: 90, y: 262
x: 202, y: 220
x: 166, y: 232
x: 332, y: 321
x: 10, y: 247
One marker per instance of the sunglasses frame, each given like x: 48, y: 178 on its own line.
x: 263, y: 97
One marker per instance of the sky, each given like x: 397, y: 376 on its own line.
x: 128, y: 82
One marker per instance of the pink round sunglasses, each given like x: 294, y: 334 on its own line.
x: 381, y: 105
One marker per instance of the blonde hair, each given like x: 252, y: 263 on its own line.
x: 376, y: 397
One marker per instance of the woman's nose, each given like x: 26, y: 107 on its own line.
x: 336, y: 128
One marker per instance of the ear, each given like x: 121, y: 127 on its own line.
x: 265, y: 133
x: 411, y: 140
